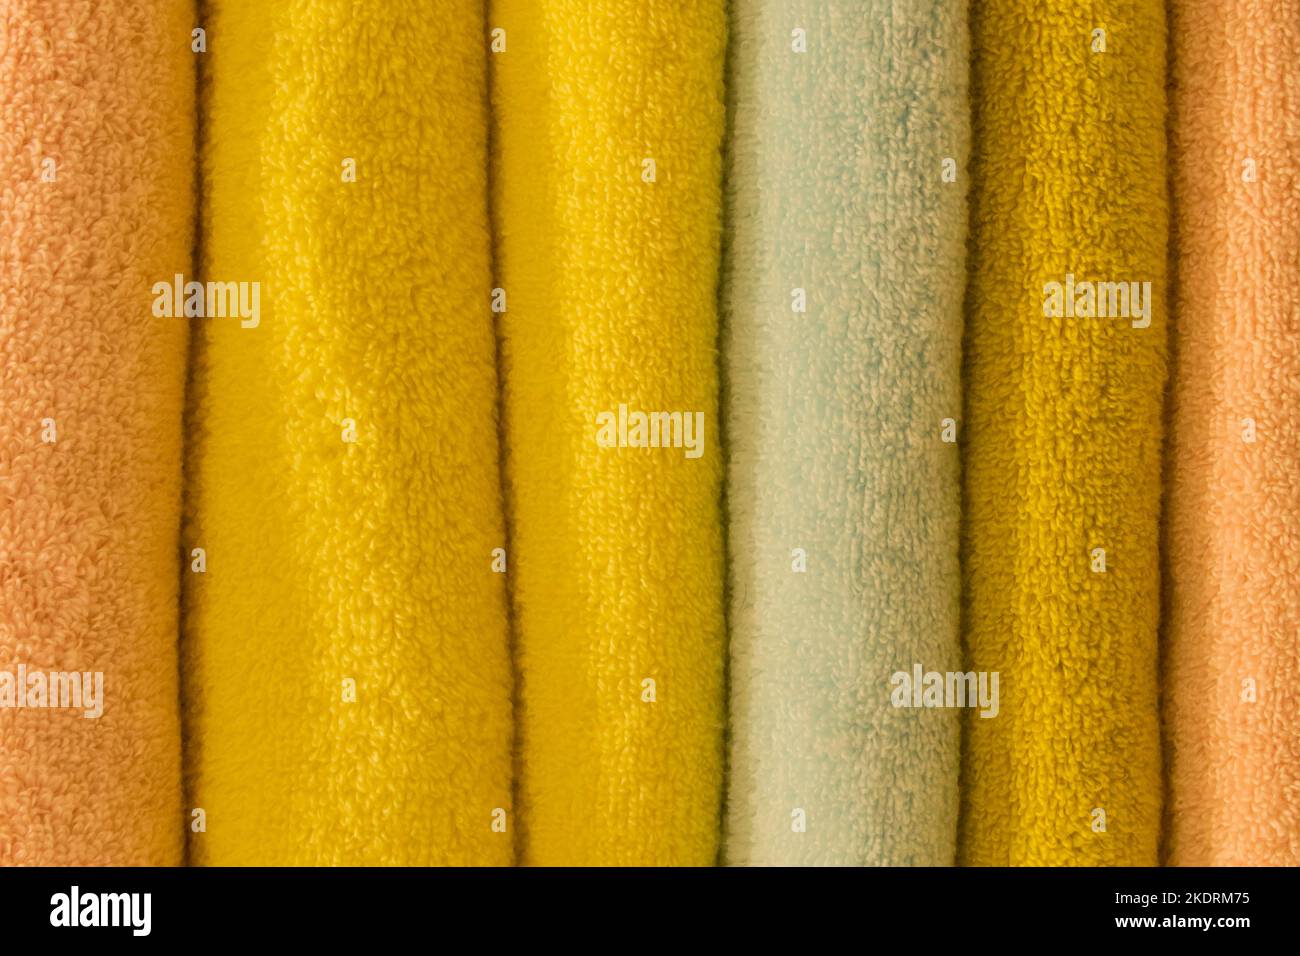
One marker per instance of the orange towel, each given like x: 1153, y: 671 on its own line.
x: 1232, y: 662
x: 96, y: 162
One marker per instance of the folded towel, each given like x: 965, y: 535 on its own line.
x: 1064, y: 385
x: 97, y: 166
x: 347, y: 660
x: 1232, y: 661
x: 845, y: 273
x: 609, y: 122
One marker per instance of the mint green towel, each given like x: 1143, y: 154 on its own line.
x: 844, y: 113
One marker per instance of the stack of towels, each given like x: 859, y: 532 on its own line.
x: 629, y: 432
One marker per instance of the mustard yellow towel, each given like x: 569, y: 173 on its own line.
x: 1065, y: 369
x: 609, y: 120
x: 1232, y: 677
x: 97, y: 198
x: 347, y: 669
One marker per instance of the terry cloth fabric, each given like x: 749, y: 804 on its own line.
x: 844, y: 115
x: 347, y: 660
x: 96, y: 101
x: 1233, y: 532
x: 609, y: 122
x: 1063, y: 431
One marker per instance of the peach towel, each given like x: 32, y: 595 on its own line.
x: 1232, y: 661
x: 97, y: 166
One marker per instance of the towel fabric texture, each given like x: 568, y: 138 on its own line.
x: 1063, y: 430
x: 607, y: 169
x: 394, y: 519
x: 844, y: 278
x: 1232, y: 666
x: 347, y: 663
x: 97, y: 161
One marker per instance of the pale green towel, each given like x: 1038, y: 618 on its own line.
x: 835, y: 425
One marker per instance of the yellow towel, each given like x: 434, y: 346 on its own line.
x: 607, y: 166
x: 1063, y: 430
x: 347, y: 663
